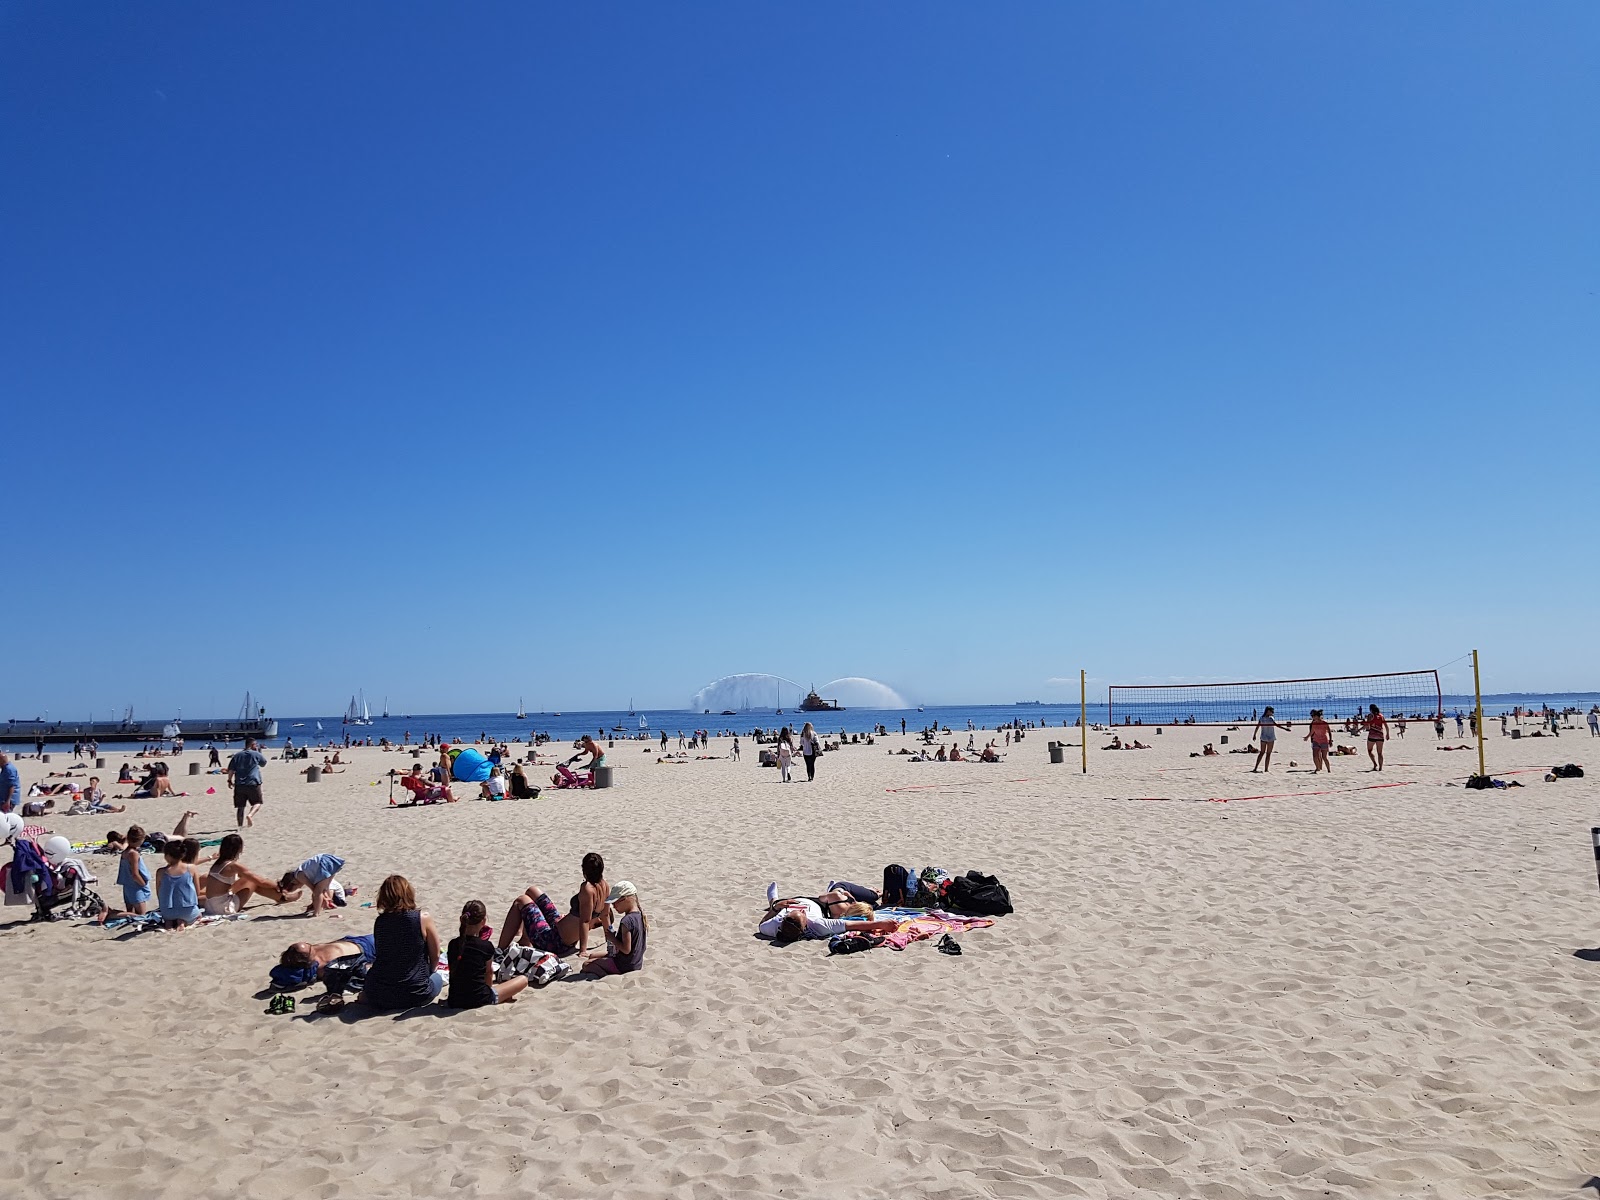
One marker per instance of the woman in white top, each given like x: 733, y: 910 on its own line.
x: 1266, y: 731
x: 810, y: 747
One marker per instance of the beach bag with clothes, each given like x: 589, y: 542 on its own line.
x: 981, y: 894
x: 931, y: 887
x: 1570, y: 771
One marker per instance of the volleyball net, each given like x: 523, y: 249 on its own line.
x: 1414, y: 695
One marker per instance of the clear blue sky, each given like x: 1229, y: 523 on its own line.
x: 596, y: 351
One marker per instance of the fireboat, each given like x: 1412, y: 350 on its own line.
x: 815, y: 703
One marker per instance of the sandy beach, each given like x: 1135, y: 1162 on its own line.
x: 1335, y: 989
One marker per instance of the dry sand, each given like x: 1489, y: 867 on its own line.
x: 1363, y: 993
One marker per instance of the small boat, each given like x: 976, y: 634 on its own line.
x: 521, y: 715
x: 386, y: 708
x: 631, y: 713
x: 728, y: 712
x: 644, y: 722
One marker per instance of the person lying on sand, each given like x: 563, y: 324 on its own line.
x: 788, y: 921
x: 302, y: 955
x: 832, y: 901
x: 534, y: 919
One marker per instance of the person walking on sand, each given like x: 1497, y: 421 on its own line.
x: 810, y: 747
x: 785, y: 756
x: 1377, y: 734
x: 1266, y: 732
x: 244, y: 777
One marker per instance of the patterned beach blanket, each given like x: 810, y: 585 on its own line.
x: 917, y: 925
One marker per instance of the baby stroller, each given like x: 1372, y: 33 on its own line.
x: 59, y: 885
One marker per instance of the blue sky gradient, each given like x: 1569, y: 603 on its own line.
x: 590, y: 352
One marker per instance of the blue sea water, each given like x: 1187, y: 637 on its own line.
x: 567, y: 727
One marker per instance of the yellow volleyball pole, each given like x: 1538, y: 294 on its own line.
x: 1083, y: 715
x: 1477, y: 691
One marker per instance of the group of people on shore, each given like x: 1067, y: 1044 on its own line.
x: 401, y: 955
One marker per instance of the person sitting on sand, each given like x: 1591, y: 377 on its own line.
x: 405, y: 951
x: 534, y: 918
x: 319, y: 873
x: 1116, y: 743
x: 956, y: 755
x: 625, y: 943
x: 520, y: 788
x: 990, y: 754
x: 941, y: 756
x: 126, y: 774
x: 177, y: 889
x: 132, y: 875
x: 494, y: 787
x: 471, y: 958
x: 229, y: 885
x: 92, y: 800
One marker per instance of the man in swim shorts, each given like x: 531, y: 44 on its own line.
x: 244, y: 777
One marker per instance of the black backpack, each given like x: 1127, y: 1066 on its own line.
x: 895, y: 887
x: 981, y: 894
x: 1570, y: 771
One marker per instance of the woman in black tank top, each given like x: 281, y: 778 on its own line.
x: 406, y: 951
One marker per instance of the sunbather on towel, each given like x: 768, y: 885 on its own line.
x: 790, y: 920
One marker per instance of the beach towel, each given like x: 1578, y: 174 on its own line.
x: 926, y: 925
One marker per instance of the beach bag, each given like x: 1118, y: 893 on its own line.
x: 981, y: 894
x: 895, y: 885
x: 1570, y: 771
x: 853, y: 943
x: 931, y: 887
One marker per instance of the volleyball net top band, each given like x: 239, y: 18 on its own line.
x: 1408, y: 695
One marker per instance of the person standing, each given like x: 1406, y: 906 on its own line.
x: 1321, y: 738
x: 785, y: 755
x: 1594, y: 721
x: 244, y: 777
x: 216, y: 759
x: 10, y: 784
x: 1377, y: 734
x: 1266, y: 732
x: 810, y: 747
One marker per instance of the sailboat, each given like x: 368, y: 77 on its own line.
x: 386, y: 708
x: 644, y: 721
x: 358, y: 714
x: 631, y: 713
x: 521, y: 715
